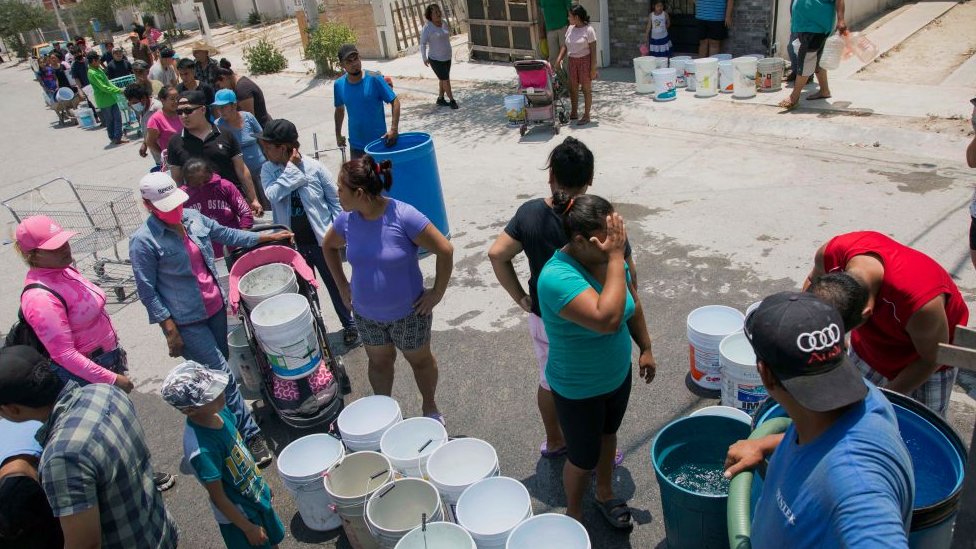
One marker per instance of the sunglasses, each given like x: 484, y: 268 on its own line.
x: 187, y: 111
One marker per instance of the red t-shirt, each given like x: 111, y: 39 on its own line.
x: 911, y: 279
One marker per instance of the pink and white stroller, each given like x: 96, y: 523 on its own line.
x: 316, y: 399
x: 543, y: 94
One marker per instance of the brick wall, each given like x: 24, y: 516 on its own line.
x: 750, y: 25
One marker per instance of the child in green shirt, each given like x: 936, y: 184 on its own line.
x: 239, y: 496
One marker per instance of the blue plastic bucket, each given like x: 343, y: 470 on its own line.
x: 416, y: 180
x: 693, y: 518
x: 938, y: 459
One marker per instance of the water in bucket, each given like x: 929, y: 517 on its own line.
x: 265, y: 282
x: 549, y: 531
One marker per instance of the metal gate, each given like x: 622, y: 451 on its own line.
x: 684, y: 30
x: 503, y: 30
x: 408, y: 20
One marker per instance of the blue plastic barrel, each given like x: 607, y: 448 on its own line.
x: 416, y: 179
x: 939, y: 462
x: 693, y: 519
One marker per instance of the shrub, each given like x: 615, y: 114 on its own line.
x: 264, y: 57
x: 324, y: 44
x: 254, y: 18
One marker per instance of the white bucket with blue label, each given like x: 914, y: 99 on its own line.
x: 665, y: 84
x: 285, y: 330
x: 742, y: 388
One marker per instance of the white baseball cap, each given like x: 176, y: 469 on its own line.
x: 160, y: 189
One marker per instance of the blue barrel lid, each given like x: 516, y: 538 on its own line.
x: 408, y: 146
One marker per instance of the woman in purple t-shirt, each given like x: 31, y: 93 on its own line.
x: 387, y: 295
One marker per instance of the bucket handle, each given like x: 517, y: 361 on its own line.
x: 387, y: 491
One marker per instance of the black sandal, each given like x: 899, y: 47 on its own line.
x: 350, y: 337
x: 616, y: 512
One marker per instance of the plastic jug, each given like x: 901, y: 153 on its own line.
x: 832, y: 52
x: 862, y: 46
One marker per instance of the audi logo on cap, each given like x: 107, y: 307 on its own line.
x: 819, y: 340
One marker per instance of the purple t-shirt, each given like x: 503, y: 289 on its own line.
x: 386, y: 278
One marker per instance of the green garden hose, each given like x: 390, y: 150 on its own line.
x: 739, y: 513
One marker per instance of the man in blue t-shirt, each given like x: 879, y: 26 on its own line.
x: 840, y: 476
x: 363, y: 94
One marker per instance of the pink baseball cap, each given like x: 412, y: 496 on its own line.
x: 40, y: 232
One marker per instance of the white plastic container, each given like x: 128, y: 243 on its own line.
x: 491, y: 508
x: 706, y: 77
x: 515, y: 109
x: 770, y: 74
x: 744, y: 77
x: 363, y: 423
x: 678, y: 64
x: 690, y: 68
x: 399, y: 507
x: 410, y: 443
x: 753, y: 307
x: 242, y: 362
x: 349, y: 484
x: 722, y: 56
x: 459, y: 464
x: 707, y: 327
x: 549, y: 531
x: 301, y: 466
x: 643, y: 68
x: 833, y: 52
x: 723, y: 411
x: 665, y: 82
x: 437, y: 535
x: 266, y: 282
x: 284, y: 328
x: 861, y: 46
x: 86, y: 117
x: 742, y: 388
x: 725, y: 76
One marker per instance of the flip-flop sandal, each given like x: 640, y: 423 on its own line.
x: 616, y: 512
x: 787, y: 106
x: 583, y: 122
x: 816, y: 96
x: 438, y: 417
x: 552, y: 454
x: 618, y: 458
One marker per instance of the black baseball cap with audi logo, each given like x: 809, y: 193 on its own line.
x: 801, y: 339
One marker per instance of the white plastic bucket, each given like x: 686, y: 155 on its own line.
x: 769, y: 73
x: 722, y: 56
x: 349, y: 484
x: 301, y: 466
x: 725, y: 76
x: 643, y: 69
x: 742, y: 388
x: 284, y: 328
x: 690, y: 81
x: 491, y: 508
x: 363, y: 423
x: 706, y: 77
x: 437, y: 535
x: 266, y: 282
x: 744, y: 77
x: 86, y: 117
x: 665, y: 82
x: 399, y: 507
x: 241, y: 361
x: 753, y: 307
x: 459, y: 464
x: 707, y: 327
x: 515, y: 109
x: 410, y: 443
x: 723, y: 411
x: 64, y: 94
x: 678, y: 64
x: 549, y: 531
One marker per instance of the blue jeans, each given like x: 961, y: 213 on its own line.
x: 113, y: 360
x: 206, y: 342
x: 313, y: 255
x: 112, y: 118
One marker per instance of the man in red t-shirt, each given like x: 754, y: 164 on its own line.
x: 898, y: 304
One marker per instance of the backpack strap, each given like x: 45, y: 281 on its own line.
x: 39, y: 286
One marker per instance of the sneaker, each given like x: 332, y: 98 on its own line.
x: 442, y: 102
x: 259, y: 450
x: 453, y: 104
x: 163, y: 481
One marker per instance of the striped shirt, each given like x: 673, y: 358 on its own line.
x: 710, y: 10
x: 95, y: 454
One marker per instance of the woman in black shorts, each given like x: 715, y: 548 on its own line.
x: 436, y: 37
x: 591, y: 313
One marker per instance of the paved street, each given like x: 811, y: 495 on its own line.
x: 725, y: 202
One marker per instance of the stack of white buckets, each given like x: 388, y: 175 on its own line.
x: 721, y: 358
x: 708, y: 76
x: 403, y: 481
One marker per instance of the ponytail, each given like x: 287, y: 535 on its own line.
x: 367, y: 174
x: 582, y: 214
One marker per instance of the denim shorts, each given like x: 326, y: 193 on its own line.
x: 407, y: 334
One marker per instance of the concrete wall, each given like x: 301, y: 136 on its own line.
x: 627, y: 21
x: 752, y: 23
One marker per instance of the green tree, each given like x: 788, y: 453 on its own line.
x: 324, y: 44
x: 17, y: 17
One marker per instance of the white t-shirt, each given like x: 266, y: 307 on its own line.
x: 578, y: 40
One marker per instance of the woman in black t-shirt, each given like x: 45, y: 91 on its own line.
x: 250, y: 98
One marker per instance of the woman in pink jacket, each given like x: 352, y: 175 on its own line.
x: 66, y: 311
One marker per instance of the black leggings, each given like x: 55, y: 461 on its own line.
x: 585, y: 421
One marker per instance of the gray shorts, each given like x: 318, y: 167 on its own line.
x: 407, y: 334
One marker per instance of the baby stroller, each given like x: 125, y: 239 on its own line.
x: 543, y: 94
x: 314, y: 400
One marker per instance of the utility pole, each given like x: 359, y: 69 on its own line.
x: 57, y: 14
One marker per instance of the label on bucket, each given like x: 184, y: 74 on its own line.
x: 295, y: 358
x: 705, y: 367
x: 669, y: 94
x: 744, y: 396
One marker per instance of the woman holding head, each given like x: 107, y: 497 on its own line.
x: 392, y: 308
x: 581, y: 48
x: 591, y: 312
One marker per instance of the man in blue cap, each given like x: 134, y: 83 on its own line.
x: 363, y: 94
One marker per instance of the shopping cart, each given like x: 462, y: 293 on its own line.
x: 104, y: 217
x: 130, y: 119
